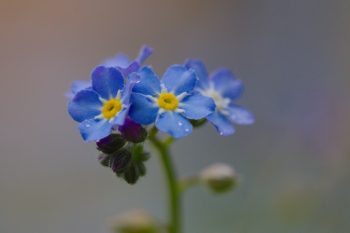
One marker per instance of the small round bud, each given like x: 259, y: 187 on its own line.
x: 132, y: 131
x: 136, y: 221
x: 111, y: 143
x: 219, y: 177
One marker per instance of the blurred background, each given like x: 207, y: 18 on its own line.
x: 293, y: 56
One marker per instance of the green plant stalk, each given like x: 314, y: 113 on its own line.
x: 174, y: 194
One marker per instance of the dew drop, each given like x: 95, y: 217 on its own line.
x: 180, y: 124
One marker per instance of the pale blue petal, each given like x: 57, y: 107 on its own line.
x: 197, y: 106
x: 149, y: 83
x: 221, y: 123
x: 119, y: 120
x: 226, y: 83
x: 174, y: 124
x: 94, y: 129
x: 84, y: 105
x: 142, y: 110
x: 106, y: 81
x: 201, y: 72
x: 133, y: 67
x: 179, y: 79
x: 120, y: 60
x: 240, y: 115
x: 77, y: 86
x: 145, y: 52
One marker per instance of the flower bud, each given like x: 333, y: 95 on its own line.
x: 120, y: 161
x: 136, y: 221
x: 111, y: 143
x: 219, y: 177
x: 131, y: 175
x: 104, y: 159
x: 132, y: 131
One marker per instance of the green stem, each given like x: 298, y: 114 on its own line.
x: 174, y: 194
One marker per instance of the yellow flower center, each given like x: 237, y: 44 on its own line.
x: 111, y: 108
x: 168, y: 101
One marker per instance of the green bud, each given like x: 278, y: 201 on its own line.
x: 131, y: 174
x: 136, y: 221
x: 104, y: 159
x: 219, y: 177
x: 142, y: 169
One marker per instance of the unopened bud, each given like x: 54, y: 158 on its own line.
x: 111, y: 143
x: 219, y: 177
x: 132, y: 131
x: 120, y: 161
x: 136, y: 221
x: 104, y: 159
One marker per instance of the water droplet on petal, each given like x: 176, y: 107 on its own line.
x: 180, y: 124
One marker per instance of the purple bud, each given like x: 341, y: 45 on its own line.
x: 111, y: 143
x: 132, y: 131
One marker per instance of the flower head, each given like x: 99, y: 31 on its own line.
x: 99, y: 108
x: 169, y: 102
x: 224, y: 88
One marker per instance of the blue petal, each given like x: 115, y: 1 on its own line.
x: 120, y: 119
x: 84, y: 105
x: 133, y: 67
x: 179, y: 79
x: 107, y: 81
x: 77, y: 86
x: 221, y: 123
x: 197, y: 106
x: 149, y: 83
x: 201, y: 72
x: 240, y: 115
x: 174, y: 124
x: 126, y: 93
x: 145, y: 52
x: 120, y: 60
x: 94, y: 129
x: 142, y: 110
x: 226, y: 83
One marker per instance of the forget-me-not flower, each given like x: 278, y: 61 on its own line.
x: 169, y: 102
x: 225, y: 89
x: 99, y: 108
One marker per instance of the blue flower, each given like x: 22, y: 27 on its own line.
x: 120, y: 62
x: 170, y: 102
x: 224, y: 88
x: 99, y: 108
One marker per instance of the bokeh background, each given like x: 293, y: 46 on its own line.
x: 293, y: 56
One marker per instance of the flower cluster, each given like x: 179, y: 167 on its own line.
x: 124, y: 97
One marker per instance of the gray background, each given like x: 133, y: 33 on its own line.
x: 293, y: 57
